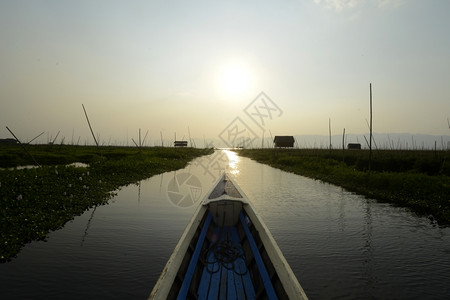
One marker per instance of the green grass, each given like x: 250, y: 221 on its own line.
x: 419, y: 180
x: 36, y: 201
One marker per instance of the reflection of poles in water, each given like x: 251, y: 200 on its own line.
x: 139, y: 191
x: 160, y: 183
x: 342, y: 216
x: 174, y: 180
x: 88, y: 225
x: 368, y: 249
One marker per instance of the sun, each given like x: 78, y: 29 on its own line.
x: 235, y: 79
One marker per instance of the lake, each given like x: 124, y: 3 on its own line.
x: 339, y: 245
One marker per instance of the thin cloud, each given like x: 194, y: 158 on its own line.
x: 388, y: 3
x: 340, y: 5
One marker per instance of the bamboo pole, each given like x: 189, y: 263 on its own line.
x: 90, y: 127
x: 35, y: 138
x: 370, y: 140
x: 329, y: 130
x: 54, y: 140
x: 23, y: 147
x: 343, y: 146
x: 190, y: 140
x: 139, y: 148
x: 273, y: 142
x: 373, y: 139
x: 143, y: 141
x: 262, y: 141
x: 367, y: 142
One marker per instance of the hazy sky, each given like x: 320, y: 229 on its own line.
x: 164, y: 66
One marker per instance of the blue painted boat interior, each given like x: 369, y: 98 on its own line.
x: 226, y: 263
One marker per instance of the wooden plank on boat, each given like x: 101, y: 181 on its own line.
x: 241, y: 271
x: 229, y: 278
x: 214, y: 285
x: 223, y: 284
x: 194, y: 259
x: 262, y: 268
x: 231, y: 284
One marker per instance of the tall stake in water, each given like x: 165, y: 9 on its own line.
x: 35, y: 138
x: 329, y: 129
x: 90, y: 127
x: 143, y: 141
x: 262, y: 141
x: 23, y: 147
x: 54, y: 140
x: 343, y: 146
x: 273, y: 142
x: 190, y: 140
x: 370, y: 140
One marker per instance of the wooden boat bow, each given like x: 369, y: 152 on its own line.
x: 256, y: 269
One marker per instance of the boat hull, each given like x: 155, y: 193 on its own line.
x: 227, y: 252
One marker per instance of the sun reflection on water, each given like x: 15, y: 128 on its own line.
x: 233, y: 161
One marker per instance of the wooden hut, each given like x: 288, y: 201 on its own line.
x: 8, y: 142
x: 180, y: 144
x: 284, y: 141
x: 354, y: 146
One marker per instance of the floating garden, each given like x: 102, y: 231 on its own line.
x: 71, y: 179
x: 419, y: 180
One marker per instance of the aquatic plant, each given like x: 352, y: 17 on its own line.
x: 35, y: 201
x: 418, y: 180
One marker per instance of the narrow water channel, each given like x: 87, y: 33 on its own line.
x: 340, y: 245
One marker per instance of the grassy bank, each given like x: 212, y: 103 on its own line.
x: 419, y: 180
x: 35, y: 201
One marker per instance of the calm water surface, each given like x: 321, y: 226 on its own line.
x: 340, y: 245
